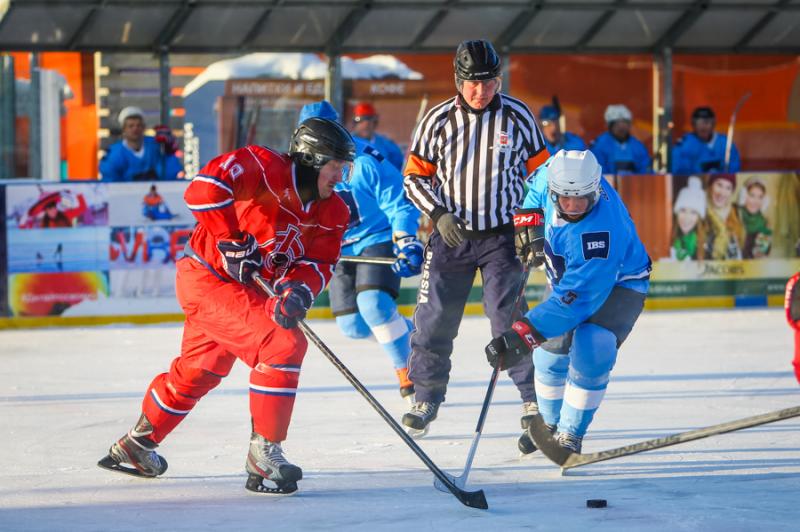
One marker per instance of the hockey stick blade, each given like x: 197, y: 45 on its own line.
x: 473, y: 499
x: 568, y: 460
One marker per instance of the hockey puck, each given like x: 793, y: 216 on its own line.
x: 596, y: 503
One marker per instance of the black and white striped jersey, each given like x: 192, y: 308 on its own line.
x: 474, y: 164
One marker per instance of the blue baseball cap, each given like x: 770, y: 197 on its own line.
x: 320, y: 109
x: 548, y: 113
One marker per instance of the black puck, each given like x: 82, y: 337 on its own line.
x: 596, y: 503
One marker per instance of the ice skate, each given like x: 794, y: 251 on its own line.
x: 419, y: 418
x: 524, y: 443
x: 570, y: 442
x: 406, y: 386
x: 136, y: 450
x: 265, y: 460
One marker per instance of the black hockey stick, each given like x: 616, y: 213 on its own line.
x: 461, y: 480
x: 567, y: 459
x: 473, y: 499
x: 367, y: 260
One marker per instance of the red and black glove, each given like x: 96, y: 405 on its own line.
x: 512, y: 346
x: 241, y: 257
x: 529, y: 236
x: 168, y: 142
x: 291, y: 303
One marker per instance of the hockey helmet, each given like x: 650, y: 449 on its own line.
x: 548, y: 113
x: 128, y: 112
x: 703, y: 113
x: 319, y: 140
x: 617, y: 112
x: 574, y: 174
x: 476, y: 60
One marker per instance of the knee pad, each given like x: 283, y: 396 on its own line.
x: 376, y: 306
x: 551, y: 368
x: 353, y: 326
x: 593, y: 354
x: 283, y: 346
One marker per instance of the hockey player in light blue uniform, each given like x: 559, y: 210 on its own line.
x: 598, y: 274
x: 554, y: 138
x: 382, y: 222
x: 616, y: 150
x: 703, y: 150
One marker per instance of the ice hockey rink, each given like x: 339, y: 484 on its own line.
x: 66, y: 394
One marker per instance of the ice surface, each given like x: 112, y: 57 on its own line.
x: 66, y: 394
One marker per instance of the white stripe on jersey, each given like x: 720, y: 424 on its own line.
x: 480, y: 160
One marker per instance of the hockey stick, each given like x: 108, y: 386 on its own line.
x: 473, y: 499
x: 367, y: 260
x: 731, y: 125
x: 567, y: 459
x: 461, y: 480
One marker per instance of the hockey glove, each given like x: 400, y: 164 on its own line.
x: 529, y: 236
x: 408, y: 251
x: 291, y: 304
x: 241, y: 257
x: 512, y: 346
x: 450, y: 226
x: 165, y: 138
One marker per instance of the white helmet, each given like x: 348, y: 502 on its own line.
x: 575, y: 174
x: 129, y: 112
x: 617, y: 112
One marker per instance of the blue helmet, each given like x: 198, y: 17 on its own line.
x: 548, y: 113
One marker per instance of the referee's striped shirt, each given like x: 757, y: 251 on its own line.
x: 474, y: 164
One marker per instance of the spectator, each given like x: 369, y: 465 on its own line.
x: 703, y: 150
x: 365, y: 120
x: 138, y: 157
x: 617, y: 151
x: 554, y: 138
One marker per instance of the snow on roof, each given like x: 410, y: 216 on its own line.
x: 299, y: 66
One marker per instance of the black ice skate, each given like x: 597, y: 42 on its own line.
x: 136, y: 450
x: 265, y: 460
x: 419, y: 418
x: 570, y: 442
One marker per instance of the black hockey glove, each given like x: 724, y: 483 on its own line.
x: 450, y: 226
x: 291, y: 304
x: 512, y: 346
x: 241, y: 257
x: 529, y: 236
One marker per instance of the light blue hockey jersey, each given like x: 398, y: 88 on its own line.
x: 389, y: 149
x: 585, y: 260
x: 121, y: 164
x: 377, y: 201
x: 690, y: 155
x: 617, y: 157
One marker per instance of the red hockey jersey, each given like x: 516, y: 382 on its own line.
x: 253, y: 190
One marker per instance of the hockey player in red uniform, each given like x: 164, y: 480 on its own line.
x: 257, y: 211
x: 792, y: 304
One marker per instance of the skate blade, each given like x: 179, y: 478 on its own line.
x: 255, y: 483
x: 110, y: 464
x: 417, y: 433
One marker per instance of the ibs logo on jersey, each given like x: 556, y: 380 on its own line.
x: 502, y: 142
x: 595, y: 245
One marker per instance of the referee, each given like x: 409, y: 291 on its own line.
x: 466, y: 170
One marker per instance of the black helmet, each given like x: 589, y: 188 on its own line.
x: 476, y: 60
x: 703, y: 112
x: 319, y: 140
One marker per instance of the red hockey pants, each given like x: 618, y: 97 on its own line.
x: 225, y: 321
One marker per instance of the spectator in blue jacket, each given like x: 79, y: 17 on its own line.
x: 138, y: 157
x: 703, y: 150
x: 365, y: 119
x: 617, y: 151
x: 554, y: 138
